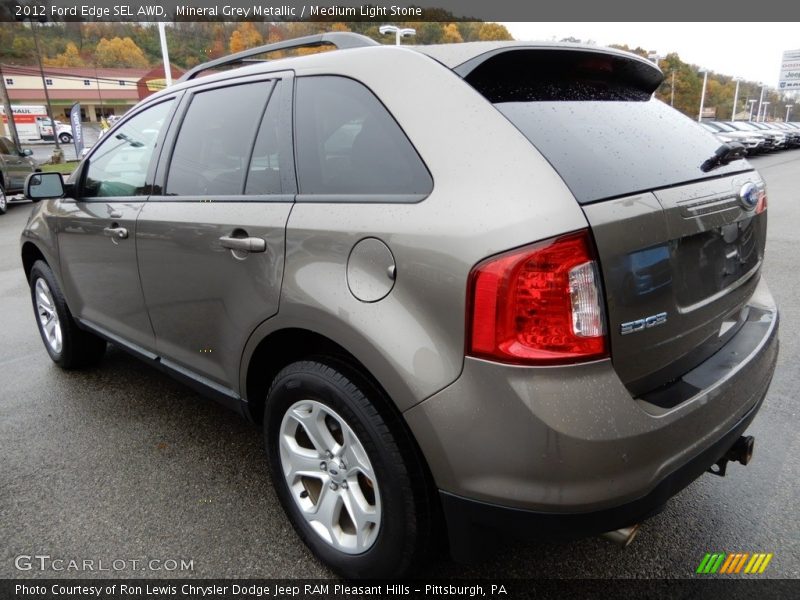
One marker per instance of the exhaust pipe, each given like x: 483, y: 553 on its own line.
x: 622, y: 537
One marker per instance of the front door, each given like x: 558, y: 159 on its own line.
x: 211, y: 246
x: 97, y: 229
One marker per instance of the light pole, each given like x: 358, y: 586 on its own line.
x: 788, y: 110
x: 764, y: 115
x: 672, y: 92
x: 162, y: 35
x: 752, y: 103
x: 735, y: 98
x: 398, y: 32
x: 760, y: 101
x: 703, y: 95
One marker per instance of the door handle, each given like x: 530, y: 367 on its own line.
x: 116, y: 232
x: 248, y: 244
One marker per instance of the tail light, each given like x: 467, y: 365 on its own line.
x: 539, y: 304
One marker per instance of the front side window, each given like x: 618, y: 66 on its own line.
x: 119, y: 165
x: 348, y: 144
x: 212, y: 151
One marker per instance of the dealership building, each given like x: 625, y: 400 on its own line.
x: 101, y: 91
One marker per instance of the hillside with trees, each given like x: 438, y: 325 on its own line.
x: 190, y: 43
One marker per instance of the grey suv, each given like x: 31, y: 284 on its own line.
x: 452, y: 309
x: 15, y: 166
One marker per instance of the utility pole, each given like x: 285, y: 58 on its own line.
x: 12, y: 127
x: 58, y: 154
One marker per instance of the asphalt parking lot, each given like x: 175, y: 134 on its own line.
x: 122, y: 463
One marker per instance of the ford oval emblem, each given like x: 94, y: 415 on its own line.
x: 748, y: 195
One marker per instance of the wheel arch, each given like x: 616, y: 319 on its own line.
x: 30, y: 253
x: 284, y: 346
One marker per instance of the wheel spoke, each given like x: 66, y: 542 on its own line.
x: 354, y: 455
x: 313, y: 422
x: 361, y: 514
x: 298, y: 461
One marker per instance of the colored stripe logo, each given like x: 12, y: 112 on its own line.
x: 734, y: 563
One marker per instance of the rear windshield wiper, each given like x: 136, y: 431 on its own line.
x: 723, y: 155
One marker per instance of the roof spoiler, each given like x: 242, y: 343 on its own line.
x: 340, y: 39
x: 552, y: 63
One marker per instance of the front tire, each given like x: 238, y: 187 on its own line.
x: 3, y: 200
x: 65, y: 138
x: 69, y: 346
x: 346, y: 471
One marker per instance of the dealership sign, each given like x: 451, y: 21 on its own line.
x: 790, y: 71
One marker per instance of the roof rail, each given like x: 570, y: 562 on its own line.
x: 341, y: 39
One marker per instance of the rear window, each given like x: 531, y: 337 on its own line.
x: 601, y: 130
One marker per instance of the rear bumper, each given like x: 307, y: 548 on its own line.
x: 569, y: 450
x: 469, y: 521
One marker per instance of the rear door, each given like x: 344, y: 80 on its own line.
x: 211, y: 241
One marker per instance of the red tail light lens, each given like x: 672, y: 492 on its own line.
x: 539, y: 304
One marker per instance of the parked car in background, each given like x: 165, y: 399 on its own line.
x: 451, y: 309
x: 726, y: 134
x: 792, y: 133
x: 15, y: 166
x: 774, y: 140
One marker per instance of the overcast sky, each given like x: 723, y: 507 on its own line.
x: 749, y: 50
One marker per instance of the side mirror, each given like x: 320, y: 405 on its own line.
x: 26, y: 152
x: 39, y: 186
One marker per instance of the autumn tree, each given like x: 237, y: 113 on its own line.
x: 451, y: 34
x: 494, y: 32
x: 69, y: 58
x: 119, y: 52
x: 245, y: 36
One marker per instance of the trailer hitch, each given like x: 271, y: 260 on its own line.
x: 741, y: 452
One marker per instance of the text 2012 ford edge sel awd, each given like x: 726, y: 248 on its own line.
x: 480, y: 287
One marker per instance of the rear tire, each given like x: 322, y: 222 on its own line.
x: 3, y: 200
x: 335, y: 448
x: 69, y: 346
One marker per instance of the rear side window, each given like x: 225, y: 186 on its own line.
x: 212, y: 151
x: 347, y: 144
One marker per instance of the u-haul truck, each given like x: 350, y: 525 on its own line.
x: 33, y: 123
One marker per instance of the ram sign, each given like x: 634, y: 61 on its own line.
x: 790, y: 71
